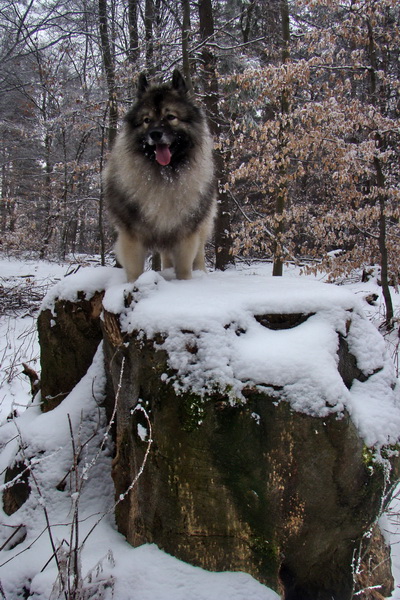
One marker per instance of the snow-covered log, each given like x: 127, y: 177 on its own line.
x: 273, y: 413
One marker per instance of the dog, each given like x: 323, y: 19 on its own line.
x: 159, y: 180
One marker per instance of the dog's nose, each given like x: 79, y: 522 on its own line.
x: 156, y: 135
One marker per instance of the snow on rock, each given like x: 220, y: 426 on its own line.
x: 216, y: 314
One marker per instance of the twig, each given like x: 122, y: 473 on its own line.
x: 136, y: 478
x: 53, y: 556
x: 150, y: 441
x: 11, y: 537
x: 2, y: 592
x: 370, y: 587
x: 73, y: 554
x: 25, y: 549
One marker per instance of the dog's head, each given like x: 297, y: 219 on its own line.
x: 164, y: 123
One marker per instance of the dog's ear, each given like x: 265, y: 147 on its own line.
x: 178, y: 83
x: 143, y: 84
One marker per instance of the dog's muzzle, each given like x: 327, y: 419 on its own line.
x: 159, y: 139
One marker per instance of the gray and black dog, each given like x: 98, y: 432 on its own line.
x: 159, y: 180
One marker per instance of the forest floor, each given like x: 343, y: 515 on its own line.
x: 144, y: 573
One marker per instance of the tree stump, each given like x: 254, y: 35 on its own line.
x: 235, y: 479
x: 253, y: 485
x: 68, y: 336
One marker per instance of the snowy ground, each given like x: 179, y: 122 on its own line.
x: 110, y: 567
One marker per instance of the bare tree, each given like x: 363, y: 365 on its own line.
x: 185, y: 44
x: 134, y: 49
x: 109, y: 67
x: 380, y: 178
x: 223, y: 256
x: 282, y: 191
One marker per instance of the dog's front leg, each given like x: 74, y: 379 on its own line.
x: 131, y: 254
x: 184, y: 254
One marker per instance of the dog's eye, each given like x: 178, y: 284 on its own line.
x: 171, y: 117
x: 146, y: 120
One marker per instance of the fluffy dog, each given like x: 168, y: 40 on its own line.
x: 159, y: 180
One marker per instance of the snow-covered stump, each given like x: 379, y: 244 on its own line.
x: 69, y: 333
x: 273, y: 410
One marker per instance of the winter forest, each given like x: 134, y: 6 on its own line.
x: 303, y: 102
x: 303, y: 98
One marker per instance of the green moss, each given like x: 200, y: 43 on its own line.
x: 267, y: 549
x: 194, y: 406
x: 369, y: 458
x: 193, y: 411
x: 268, y: 555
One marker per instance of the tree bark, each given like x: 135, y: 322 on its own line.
x: 108, y: 61
x: 68, y: 341
x: 225, y: 491
x: 246, y: 19
x: 282, y: 192
x: 100, y: 220
x: 185, y: 45
x: 223, y: 237
x: 134, y: 50
x: 148, y: 35
x: 380, y: 182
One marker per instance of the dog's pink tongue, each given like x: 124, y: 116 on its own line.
x: 163, y: 154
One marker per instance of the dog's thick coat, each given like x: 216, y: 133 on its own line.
x: 159, y: 181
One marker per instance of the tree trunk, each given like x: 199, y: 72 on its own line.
x: 227, y: 491
x: 380, y: 182
x: 108, y: 61
x: 282, y: 192
x: 48, y: 217
x: 223, y: 237
x: 148, y: 35
x: 100, y: 221
x: 246, y: 19
x: 68, y: 338
x: 185, y: 45
x: 134, y: 50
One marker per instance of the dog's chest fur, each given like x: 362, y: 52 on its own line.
x: 161, y: 200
